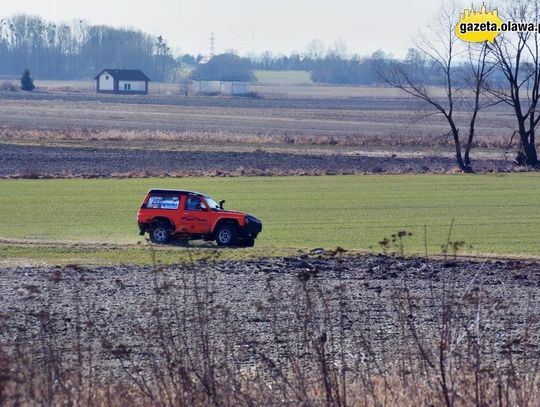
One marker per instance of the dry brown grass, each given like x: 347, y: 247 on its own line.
x: 219, y: 137
x: 7, y: 86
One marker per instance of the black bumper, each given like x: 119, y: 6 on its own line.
x: 252, y: 227
x: 142, y: 228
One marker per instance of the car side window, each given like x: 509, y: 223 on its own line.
x: 163, y: 202
x: 193, y: 203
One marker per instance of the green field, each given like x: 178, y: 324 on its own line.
x: 283, y: 77
x: 496, y: 214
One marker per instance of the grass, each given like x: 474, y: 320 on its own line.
x: 89, y: 86
x: 497, y: 214
x: 31, y: 254
x: 267, y: 77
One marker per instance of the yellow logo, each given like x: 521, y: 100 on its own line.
x: 478, y: 26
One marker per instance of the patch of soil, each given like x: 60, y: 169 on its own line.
x: 23, y: 161
x: 257, y: 304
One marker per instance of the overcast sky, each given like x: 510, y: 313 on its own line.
x: 281, y: 26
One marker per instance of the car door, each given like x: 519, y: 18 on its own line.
x: 195, y: 215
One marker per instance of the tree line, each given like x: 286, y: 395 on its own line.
x: 79, y: 50
x: 336, y: 67
x: 326, y: 68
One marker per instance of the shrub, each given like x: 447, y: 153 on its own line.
x: 27, y: 83
x: 7, y: 87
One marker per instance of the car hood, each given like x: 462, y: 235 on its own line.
x: 253, y: 218
x: 233, y: 212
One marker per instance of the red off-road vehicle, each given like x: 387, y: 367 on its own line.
x: 167, y: 213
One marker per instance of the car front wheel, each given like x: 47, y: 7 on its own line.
x: 226, y: 235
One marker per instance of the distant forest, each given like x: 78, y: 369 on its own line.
x: 80, y: 51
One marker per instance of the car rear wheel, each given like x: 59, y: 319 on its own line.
x: 160, y: 234
x: 226, y: 235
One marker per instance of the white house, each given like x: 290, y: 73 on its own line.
x: 123, y: 81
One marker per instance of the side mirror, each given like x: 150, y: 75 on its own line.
x: 221, y: 203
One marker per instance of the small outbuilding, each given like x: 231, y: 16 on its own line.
x: 207, y: 87
x: 122, y: 81
x: 234, y: 88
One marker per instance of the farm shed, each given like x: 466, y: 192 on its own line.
x: 212, y: 87
x: 221, y: 87
x: 122, y: 81
x: 234, y: 88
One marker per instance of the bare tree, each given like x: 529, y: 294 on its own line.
x: 435, y: 55
x: 480, y: 68
x: 315, y: 49
x: 517, y: 56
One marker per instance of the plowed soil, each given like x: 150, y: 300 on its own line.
x: 28, y: 161
x: 255, y: 306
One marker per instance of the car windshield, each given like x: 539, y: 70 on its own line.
x: 212, y: 204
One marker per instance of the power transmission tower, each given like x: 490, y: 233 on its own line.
x: 212, y: 45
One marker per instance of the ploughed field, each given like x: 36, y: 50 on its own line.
x: 285, y: 131
x: 255, y: 311
x: 95, y: 160
x: 381, y: 117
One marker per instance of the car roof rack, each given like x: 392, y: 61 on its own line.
x: 174, y: 191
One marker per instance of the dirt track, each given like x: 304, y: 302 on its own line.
x: 38, y: 161
x: 256, y: 304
